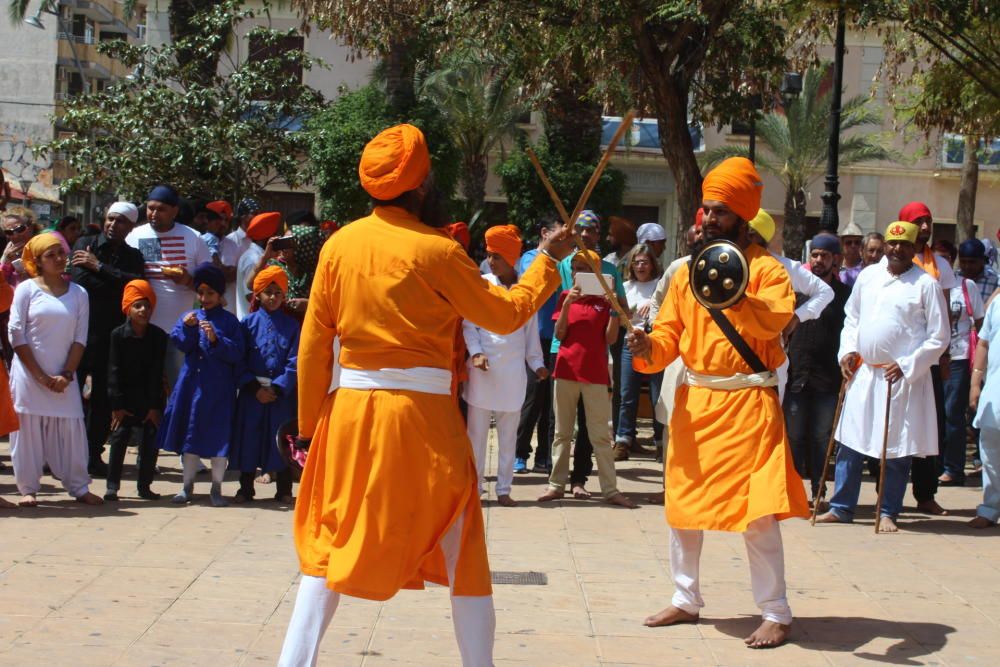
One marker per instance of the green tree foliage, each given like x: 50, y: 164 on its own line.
x: 228, y: 136
x: 337, y: 135
x: 795, y: 146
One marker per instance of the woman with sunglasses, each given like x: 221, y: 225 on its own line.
x: 18, y: 227
x: 48, y: 329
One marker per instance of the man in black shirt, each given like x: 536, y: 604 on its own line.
x: 814, y: 370
x: 102, y: 264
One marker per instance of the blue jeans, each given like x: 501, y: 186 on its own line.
x: 956, y: 404
x: 631, y: 382
x: 850, y: 465
x: 808, y: 420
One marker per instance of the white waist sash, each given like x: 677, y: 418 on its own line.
x: 422, y: 379
x: 731, y: 382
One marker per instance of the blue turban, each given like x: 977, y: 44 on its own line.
x: 827, y: 242
x: 248, y: 206
x: 588, y: 219
x: 165, y: 194
x: 973, y: 248
x: 211, y: 275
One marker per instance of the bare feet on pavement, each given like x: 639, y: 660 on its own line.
x: 551, y: 494
x: 620, y: 500
x: 28, y: 500
x: 656, y: 498
x: 981, y: 522
x: 887, y: 525
x: 931, y: 507
x: 670, y: 616
x: 768, y: 635
x: 6, y: 504
x: 579, y: 492
x: 506, y: 501
x: 828, y: 517
x: 90, y: 499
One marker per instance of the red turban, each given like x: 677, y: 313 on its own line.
x: 136, y: 290
x: 699, y: 217
x: 504, y: 240
x: 264, y: 225
x: 394, y: 162
x: 222, y: 208
x: 735, y: 183
x: 623, y: 230
x: 914, y: 210
x: 460, y: 232
x: 271, y: 274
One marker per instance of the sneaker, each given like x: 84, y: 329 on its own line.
x: 545, y: 468
x: 520, y: 466
x: 111, y: 495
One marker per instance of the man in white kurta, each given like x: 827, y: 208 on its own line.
x: 497, y: 382
x: 896, y: 328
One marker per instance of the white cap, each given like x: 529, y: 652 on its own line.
x: 650, y: 231
x: 126, y: 209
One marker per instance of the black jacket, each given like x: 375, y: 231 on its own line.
x: 812, y: 349
x: 119, y: 264
x: 135, y: 369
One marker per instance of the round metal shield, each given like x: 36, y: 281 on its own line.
x: 719, y: 275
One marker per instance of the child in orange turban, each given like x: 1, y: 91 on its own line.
x: 505, y: 241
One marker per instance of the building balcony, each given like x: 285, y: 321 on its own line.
x: 79, y: 55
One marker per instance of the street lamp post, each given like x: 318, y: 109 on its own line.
x: 756, y: 103
x: 830, y: 219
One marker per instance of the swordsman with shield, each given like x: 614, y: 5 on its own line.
x: 728, y: 466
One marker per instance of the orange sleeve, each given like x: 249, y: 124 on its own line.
x: 764, y: 312
x: 666, y: 335
x: 315, y: 362
x: 489, y: 306
x: 6, y: 294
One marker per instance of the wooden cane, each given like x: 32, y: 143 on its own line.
x: 885, y: 447
x: 829, y: 450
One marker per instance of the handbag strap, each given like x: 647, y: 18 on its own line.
x: 737, y: 341
x: 965, y: 293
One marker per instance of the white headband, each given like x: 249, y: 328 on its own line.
x: 126, y: 209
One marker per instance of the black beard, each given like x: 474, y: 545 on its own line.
x: 434, y: 209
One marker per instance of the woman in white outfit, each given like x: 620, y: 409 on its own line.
x: 48, y: 330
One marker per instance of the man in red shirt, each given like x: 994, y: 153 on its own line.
x: 585, y: 326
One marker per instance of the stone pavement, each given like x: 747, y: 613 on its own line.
x: 146, y: 584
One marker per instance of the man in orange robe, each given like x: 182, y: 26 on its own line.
x: 388, y: 495
x: 728, y: 465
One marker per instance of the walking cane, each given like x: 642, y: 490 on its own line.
x: 885, y: 447
x: 829, y: 449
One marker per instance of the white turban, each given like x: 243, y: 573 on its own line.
x: 651, y: 231
x: 125, y: 208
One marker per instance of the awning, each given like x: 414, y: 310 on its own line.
x: 37, y: 191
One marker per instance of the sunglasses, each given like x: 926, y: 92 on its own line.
x: 20, y: 229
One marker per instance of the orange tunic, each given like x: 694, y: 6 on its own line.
x: 728, y: 462
x: 389, y: 471
x: 8, y: 416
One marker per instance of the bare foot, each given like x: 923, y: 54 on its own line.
x: 506, y: 501
x: 931, y: 507
x: 670, y: 616
x: 551, y: 494
x: 90, y: 499
x: 580, y: 493
x: 656, y: 498
x: 768, y: 635
x: 6, y: 504
x: 887, y: 525
x: 981, y: 522
x: 828, y: 517
x: 620, y: 500
x: 28, y: 500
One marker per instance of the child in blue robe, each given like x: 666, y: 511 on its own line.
x: 198, y: 421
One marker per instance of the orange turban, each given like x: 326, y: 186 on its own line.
x: 460, y: 232
x: 36, y: 247
x: 222, y: 208
x: 504, y: 240
x: 264, y: 225
x: 736, y: 183
x: 394, y: 162
x: 136, y: 290
x: 271, y: 274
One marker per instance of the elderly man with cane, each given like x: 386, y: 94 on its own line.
x: 889, y: 406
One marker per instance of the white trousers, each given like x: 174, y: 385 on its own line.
x: 473, y: 617
x: 59, y: 441
x: 767, y: 569
x: 479, y: 431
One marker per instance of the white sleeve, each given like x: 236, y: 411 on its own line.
x: 533, y: 345
x: 976, y: 299
x: 82, y: 315
x: 919, y: 362
x: 948, y: 279
x: 818, y: 293
x: 849, y: 334
x: 659, y: 294
x: 16, y: 325
x: 473, y: 343
x: 202, y: 253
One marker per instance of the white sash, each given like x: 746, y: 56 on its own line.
x: 732, y: 382
x: 422, y: 379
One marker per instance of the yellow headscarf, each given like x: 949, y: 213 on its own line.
x: 902, y: 231
x: 35, y: 248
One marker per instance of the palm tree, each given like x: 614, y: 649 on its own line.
x: 479, y: 100
x: 796, y: 146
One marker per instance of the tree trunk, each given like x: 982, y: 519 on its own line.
x: 473, y: 184
x: 572, y: 123
x: 794, y: 230
x: 399, y: 72
x: 678, y: 149
x: 966, y: 214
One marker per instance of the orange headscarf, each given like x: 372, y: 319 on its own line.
x: 504, y: 240
x: 271, y: 274
x: 222, y: 208
x: 394, y: 162
x: 590, y: 255
x: 460, y: 232
x: 263, y: 226
x: 136, y: 290
x: 736, y: 183
x: 35, y: 248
